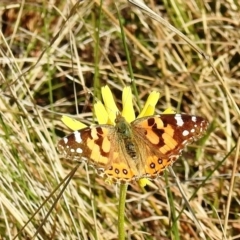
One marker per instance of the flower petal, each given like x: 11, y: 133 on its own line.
x: 109, y: 103
x: 101, y: 113
x: 149, y: 106
x: 128, y: 111
x: 144, y: 181
x: 168, y: 111
x: 73, y: 124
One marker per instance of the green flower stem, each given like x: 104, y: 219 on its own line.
x: 121, y: 211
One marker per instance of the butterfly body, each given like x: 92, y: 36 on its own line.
x: 130, y: 151
x: 125, y: 136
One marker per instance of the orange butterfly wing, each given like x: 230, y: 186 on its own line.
x: 92, y: 144
x: 165, y: 136
x: 101, y: 147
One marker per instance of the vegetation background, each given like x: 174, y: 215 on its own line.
x: 52, y: 63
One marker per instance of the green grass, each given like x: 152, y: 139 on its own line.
x: 53, y: 61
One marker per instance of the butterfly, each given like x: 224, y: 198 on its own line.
x: 130, y: 151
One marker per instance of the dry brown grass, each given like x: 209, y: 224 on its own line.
x: 49, y: 68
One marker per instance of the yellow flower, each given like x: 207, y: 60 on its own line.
x: 128, y: 111
x: 107, y: 112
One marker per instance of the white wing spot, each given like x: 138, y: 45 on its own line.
x: 192, y: 130
x: 185, y: 133
x: 194, y: 119
x: 179, y: 120
x: 65, y: 139
x: 72, y: 150
x: 79, y: 150
x: 77, y: 137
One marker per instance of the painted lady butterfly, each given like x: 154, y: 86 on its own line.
x: 141, y: 149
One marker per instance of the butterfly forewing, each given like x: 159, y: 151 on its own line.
x: 169, y: 133
x: 92, y: 144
